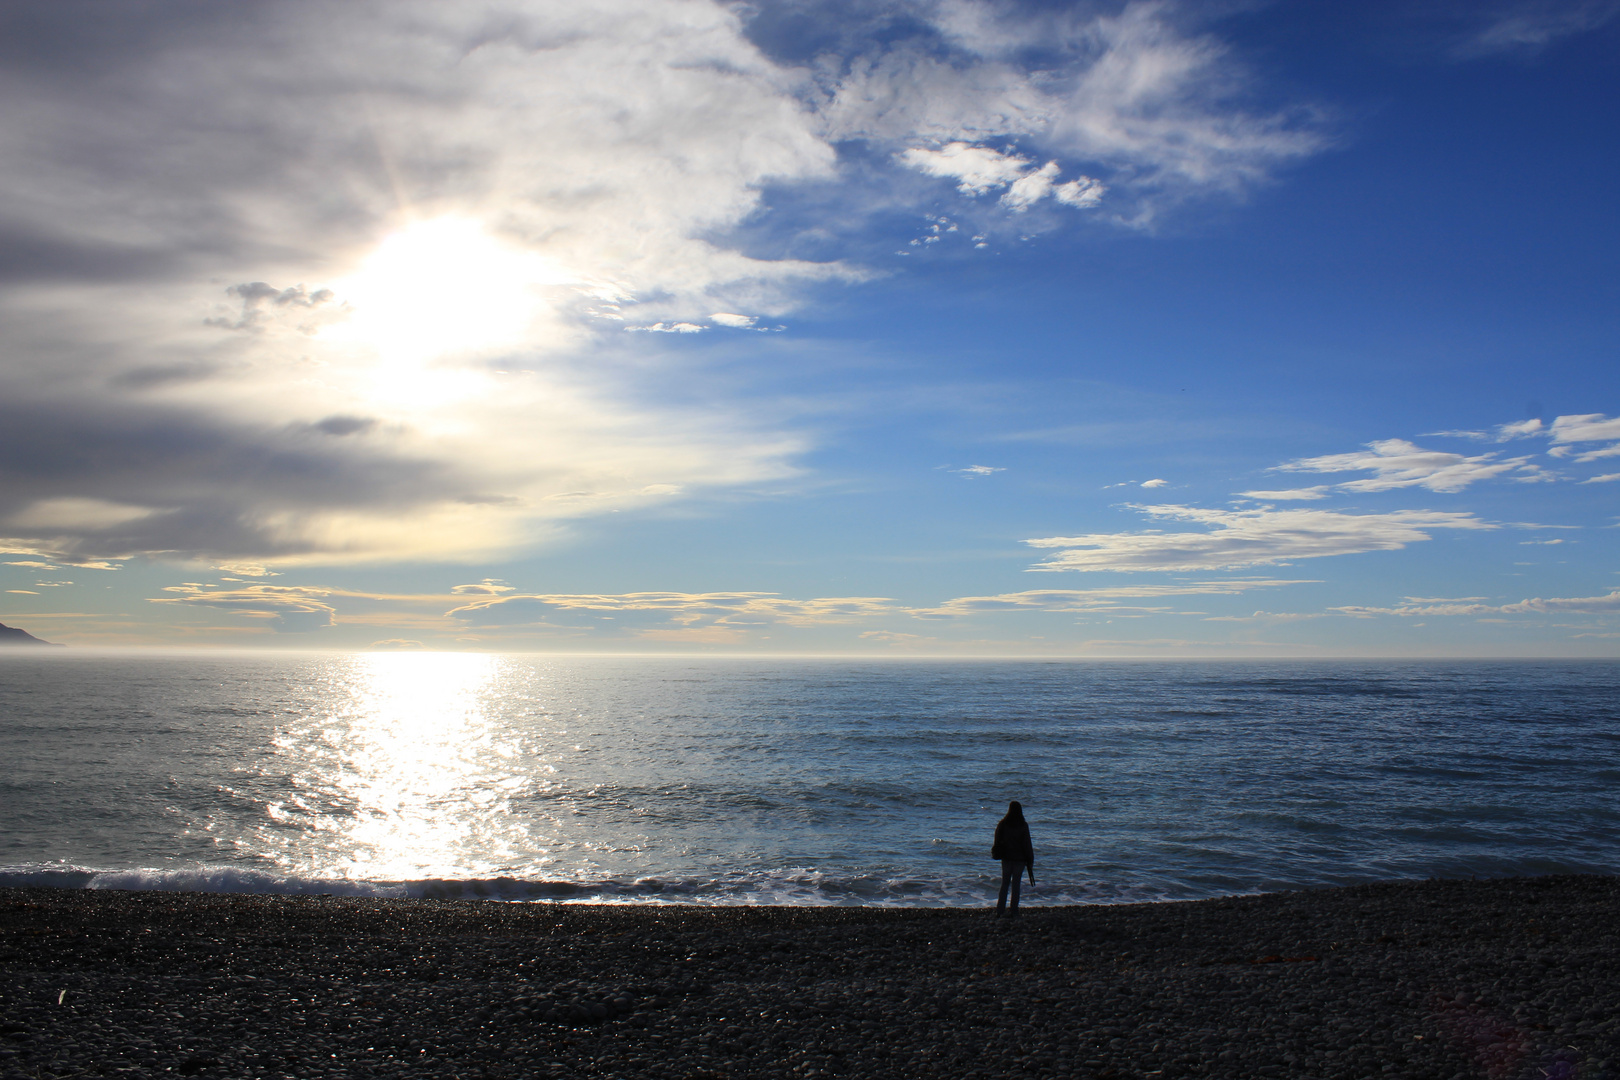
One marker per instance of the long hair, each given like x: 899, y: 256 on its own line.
x: 1015, y: 812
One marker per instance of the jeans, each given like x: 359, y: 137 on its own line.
x: 1012, y: 877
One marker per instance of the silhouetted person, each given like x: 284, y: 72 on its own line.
x: 1016, y: 853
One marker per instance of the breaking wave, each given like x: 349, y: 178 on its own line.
x: 786, y: 887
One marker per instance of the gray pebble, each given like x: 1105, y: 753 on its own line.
x: 1416, y: 979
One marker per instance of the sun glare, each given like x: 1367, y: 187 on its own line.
x: 405, y: 778
x: 442, y: 287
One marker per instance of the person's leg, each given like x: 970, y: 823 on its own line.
x: 1017, y: 887
x: 1009, y: 878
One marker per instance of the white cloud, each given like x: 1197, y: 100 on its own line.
x: 1606, y: 478
x: 341, y: 280
x: 1246, y: 538
x: 1268, y: 616
x: 1531, y: 26
x: 1155, y: 483
x: 726, y: 610
x: 890, y: 637
x: 1080, y: 600
x: 1565, y: 433
x: 1397, y: 463
x: 636, y: 612
x: 1573, y: 605
x: 1519, y: 429
x: 246, y: 569
x: 976, y: 169
x: 1533, y: 474
x: 288, y: 609
x: 981, y: 169
x: 1129, y: 97
x: 349, y: 159
x: 1308, y: 494
x: 1150, y: 100
x: 670, y: 328
x: 647, y: 124
x: 1031, y: 188
x: 1137, y: 95
x: 487, y: 587
x: 1587, y: 427
x: 1083, y: 193
x: 1522, y: 429
x: 980, y: 470
x: 1415, y: 610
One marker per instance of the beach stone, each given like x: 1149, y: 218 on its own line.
x: 310, y: 987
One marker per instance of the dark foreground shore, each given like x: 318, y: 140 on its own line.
x: 1497, y: 979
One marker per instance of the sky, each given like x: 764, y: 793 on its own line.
x: 897, y: 327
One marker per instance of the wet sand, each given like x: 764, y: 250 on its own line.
x: 1499, y: 979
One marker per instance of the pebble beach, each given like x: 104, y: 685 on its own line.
x: 1498, y: 979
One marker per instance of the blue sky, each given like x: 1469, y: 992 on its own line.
x: 958, y: 327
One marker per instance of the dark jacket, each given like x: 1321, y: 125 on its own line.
x: 1012, y: 841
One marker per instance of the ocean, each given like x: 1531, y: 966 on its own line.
x: 773, y: 781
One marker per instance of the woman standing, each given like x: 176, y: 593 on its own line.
x: 1013, y: 848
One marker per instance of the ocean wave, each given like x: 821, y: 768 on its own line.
x: 209, y: 879
x: 782, y: 887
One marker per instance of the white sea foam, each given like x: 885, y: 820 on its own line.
x: 787, y: 887
x: 209, y: 879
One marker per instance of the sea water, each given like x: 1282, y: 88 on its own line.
x: 794, y: 781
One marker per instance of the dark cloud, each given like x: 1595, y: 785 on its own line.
x: 488, y: 499
x: 257, y: 297
x: 81, y: 42
x: 196, y: 176
x: 149, y: 378
x: 344, y: 425
x: 214, y: 489
x: 30, y: 255
x: 140, y: 133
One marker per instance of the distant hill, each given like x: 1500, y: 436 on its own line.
x: 10, y: 635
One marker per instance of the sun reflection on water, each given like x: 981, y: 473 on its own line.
x: 406, y: 776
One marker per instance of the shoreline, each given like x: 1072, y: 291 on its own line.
x: 1502, y: 978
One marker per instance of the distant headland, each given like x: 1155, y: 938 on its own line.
x: 10, y: 635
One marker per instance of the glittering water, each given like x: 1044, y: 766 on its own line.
x: 723, y: 781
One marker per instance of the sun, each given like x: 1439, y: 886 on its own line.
x: 440, y: 287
